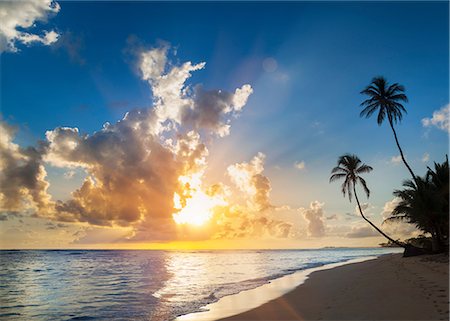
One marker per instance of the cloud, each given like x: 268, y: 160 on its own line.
x: 147, y: 168
x: 17, y: 16
x: 22, y: 175
x: 299, y: 165
x: 69, y: 174
x: 362, y: 231
x: 179, y: 105
x: 136, y: 166
x: 314, y: 215
x: 249, y: 179
x: 252, y: 218
x: 212, y: 107
x: 132, y: 174
x: 367, y: 209
x: 53, y: 226
x: 396, y: 160
x: 240, y: 222
x: 440, y: 119
x: 399, y: 229
x: 389, y: 207
x: 170, y: 94
x: 100, y: 235
x: 425, y: 157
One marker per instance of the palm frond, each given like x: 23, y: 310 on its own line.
x: 338, y: 169
x: 337, y: 176
x: 364, y: 169
x: 364, y: 185
x: 385, y: 98
x: 399, y: 97
x: 381, y: 116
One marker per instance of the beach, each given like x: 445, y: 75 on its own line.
x: 387, y: 288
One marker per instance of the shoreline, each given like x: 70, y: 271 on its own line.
x: 231, y: 305
x: 387, y: 287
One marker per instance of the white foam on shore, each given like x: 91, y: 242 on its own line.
x: 253, y: 298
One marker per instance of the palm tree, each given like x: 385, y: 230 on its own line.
x: 349, y: 167
x: 387, y: 99
x: 425, y: 204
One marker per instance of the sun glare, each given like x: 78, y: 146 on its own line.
x: 198, y: 207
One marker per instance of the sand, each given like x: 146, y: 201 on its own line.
x: 388, y: 288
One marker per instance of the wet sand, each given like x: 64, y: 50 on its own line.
x: 388, y: 288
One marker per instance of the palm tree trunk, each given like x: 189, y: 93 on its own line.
x: 435, y: 242
x: 439, y: 242
x: 401, y: 152
x: 373, y: 225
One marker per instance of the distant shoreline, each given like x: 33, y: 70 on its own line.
x: 205, y: 250
x: 388, y: 288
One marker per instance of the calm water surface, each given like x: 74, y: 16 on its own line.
x: 141, y: 285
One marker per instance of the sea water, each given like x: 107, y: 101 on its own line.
x: 142, y: 285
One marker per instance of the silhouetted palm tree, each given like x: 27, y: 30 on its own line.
x: 387, y: 100
x: 349, y: 168
x: 425, y: 204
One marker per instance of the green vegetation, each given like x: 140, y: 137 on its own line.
x: 424, y: 201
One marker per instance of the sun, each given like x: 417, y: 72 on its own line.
x: 198, y: 209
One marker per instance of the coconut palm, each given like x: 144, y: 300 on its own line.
x: 387, y: 100
x: 349, y: 167
x: 425, y: 204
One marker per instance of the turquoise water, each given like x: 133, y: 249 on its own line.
x: 142, y: 285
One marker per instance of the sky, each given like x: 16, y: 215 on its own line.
x: 189, y: 125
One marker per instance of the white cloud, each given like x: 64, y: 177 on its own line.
x: 177, y: 104
x: 389, y: 207
x: 248, y: 178
x: 440, y: 119
x: 69, y: 174
x: 397, y: 229
x: 300, y: 165
x: 16, y: 16
x: 314, y: 215
x: 241, y: 96
x: 170, y: 94
x: 396, y: 159
x: 425, y: 157
x: 153, y: 62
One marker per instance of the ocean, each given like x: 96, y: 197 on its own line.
x: 142, y: 285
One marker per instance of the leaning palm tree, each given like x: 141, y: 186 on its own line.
x: 349, y: 168
x: 387, y: 100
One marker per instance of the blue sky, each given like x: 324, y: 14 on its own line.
x: 306, y: 108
